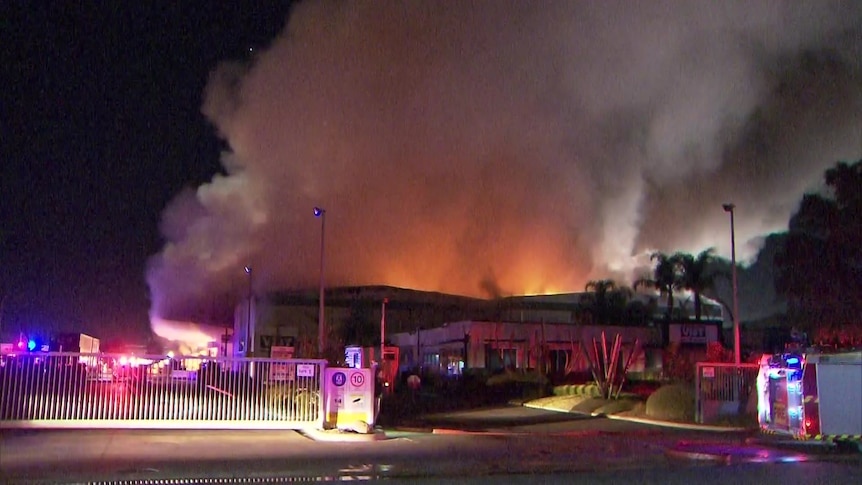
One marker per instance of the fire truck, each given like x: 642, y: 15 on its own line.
x: 811, y: 396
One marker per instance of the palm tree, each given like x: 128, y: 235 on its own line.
x: 608, y: 300
x: 599, y: 299
x: 618, y: 302
x: 695, y: 275
x: 664, y: 279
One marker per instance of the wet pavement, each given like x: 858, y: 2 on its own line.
x: 733, y: 453
x: 506, y: 443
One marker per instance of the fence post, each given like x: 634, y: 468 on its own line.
x: 321, y: 417
x: 698, y: 401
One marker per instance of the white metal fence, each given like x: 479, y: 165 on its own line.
x: 73, y: 390
x: 724, y: 390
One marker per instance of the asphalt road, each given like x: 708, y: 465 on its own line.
x: 512, y: 445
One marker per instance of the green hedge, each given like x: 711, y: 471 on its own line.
x: 520, y: 385
x: 586, y: 390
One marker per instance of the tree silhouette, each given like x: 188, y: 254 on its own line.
x: 607, y: 300
x: 820, y: 268
x: 694, y: 274
x: 664, y: 279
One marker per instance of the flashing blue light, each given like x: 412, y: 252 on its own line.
x: 31, y: 345
x: 318, y: 212
x: 792, y: 360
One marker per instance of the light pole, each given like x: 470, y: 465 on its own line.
x: 383, y: 328
x: 321, y: 213
x: 736, y: 353
x: 2, y: 306
x: 249, y: 340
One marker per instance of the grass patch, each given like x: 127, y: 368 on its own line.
x: 617, y: 406
x: 589, y: 405
x: 744, y: 421
x: 638, y: 410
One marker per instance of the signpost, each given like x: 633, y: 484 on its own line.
x: 349, y: 396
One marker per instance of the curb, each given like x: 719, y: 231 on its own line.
x: 332, y: 436
x: 812, y: 447
x: 450, y: 431
x: 654, y: 422
x: 673, y: 424
x: 409, y: 429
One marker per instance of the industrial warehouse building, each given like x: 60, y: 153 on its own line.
x: 451, y: 332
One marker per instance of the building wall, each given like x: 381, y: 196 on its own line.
x: 516, y: 344
x: 295, y: 315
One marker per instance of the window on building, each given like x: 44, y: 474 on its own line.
x: 557, y: 360
x: 499, y: 359
x: 431, y: 360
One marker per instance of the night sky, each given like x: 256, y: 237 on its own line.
x: 101, y: 124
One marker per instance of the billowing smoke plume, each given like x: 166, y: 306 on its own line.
x: 511, y: 147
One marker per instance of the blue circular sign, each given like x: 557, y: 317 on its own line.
x: 339, y: 378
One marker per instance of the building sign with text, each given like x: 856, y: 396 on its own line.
x: 266, y: 342
x: 280, y: 370
x: 692, y: 333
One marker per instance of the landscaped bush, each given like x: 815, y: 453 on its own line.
x: 585, y: 390
x: 674, y: 402
x: 589, y: 390
x: 564, y: 390
x: 524, y: 385
x: 524, y: 377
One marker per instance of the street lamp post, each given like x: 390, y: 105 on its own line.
x: 321, y: 336
x: 249, y: 340
x: 2, y: 306
x: 383, y: 328
x: 736, y: 352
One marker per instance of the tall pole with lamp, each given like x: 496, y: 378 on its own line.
x: 380, y: 365
x: 2, y: 306
x: 321, y: 336
x: 383, y: 328
x: 736, y: 352
x: 249, y: 339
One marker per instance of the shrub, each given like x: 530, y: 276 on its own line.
x: 520, y: 377
x: 527, y: 385
x: 715, y: 352
x: 677, y: 365
x: 674, y: 402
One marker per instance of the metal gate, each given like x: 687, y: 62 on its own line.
x: 74, y: 390
x: 724, y: 390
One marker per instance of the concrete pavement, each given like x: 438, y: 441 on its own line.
x: 514, y: 439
